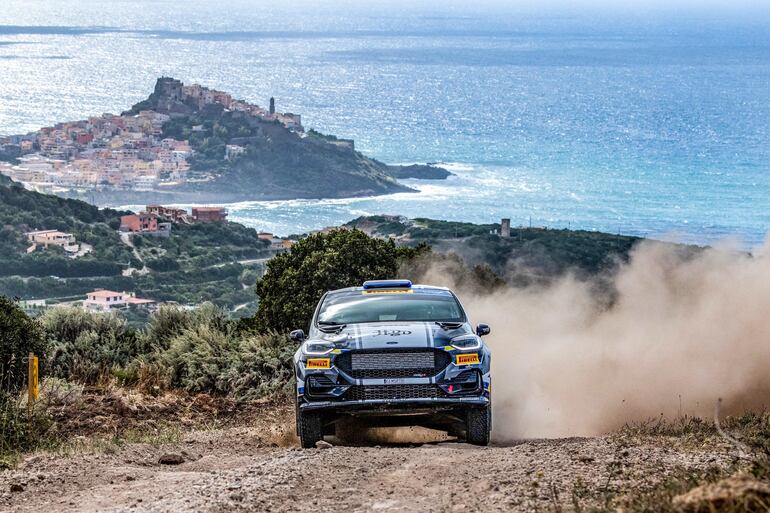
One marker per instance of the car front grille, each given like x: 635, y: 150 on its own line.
x: 391, y: 363
x: 387, y: 392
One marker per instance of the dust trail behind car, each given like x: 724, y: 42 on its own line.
x: 682, y: 331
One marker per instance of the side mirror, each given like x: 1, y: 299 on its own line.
x: 483, y: 329
x: 297, y: 336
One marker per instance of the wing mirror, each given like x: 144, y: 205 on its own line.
x: 297, y: 336
x: 483, y: 329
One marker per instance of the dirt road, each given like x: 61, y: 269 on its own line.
x: 236, y: 469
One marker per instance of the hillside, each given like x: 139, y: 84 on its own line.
x: 198, y: 262
x: 276, y: 161
x: 529, y: 255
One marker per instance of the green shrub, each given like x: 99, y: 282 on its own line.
x: 165, y: 324
x: 264, y: 366
x: 201, y: 359
x: 19, y: 336
x: 205, y: 359
x: 85, y: 346
x: 203, y: 351
x: 197, y: 350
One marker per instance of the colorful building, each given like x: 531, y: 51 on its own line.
x: 141, y: 222
x: 209, y: 214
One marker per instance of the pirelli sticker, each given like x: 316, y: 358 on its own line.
x: 318, y: 363
x: 387, y: 291
x: 467, y: 359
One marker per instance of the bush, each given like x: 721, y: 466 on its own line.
x: 201, y: 359
x: 19, y: 336
x: 264, y: 366
x: 209, y: 355
x: 197, y: 350
x: 165, y: 324
x: 85, y: 346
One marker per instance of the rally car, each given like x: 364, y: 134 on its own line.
x: 391, y: 353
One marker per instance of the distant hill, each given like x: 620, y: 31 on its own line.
x: 276, y: 162
x: 528, y: 256
x: 198, y: 262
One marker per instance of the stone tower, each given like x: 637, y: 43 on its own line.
x: 272, y: 105
x: 505, y: 228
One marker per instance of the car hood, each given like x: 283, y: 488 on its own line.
x: 393, y: 335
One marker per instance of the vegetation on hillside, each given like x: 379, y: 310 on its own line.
x: 528, y: 256
x: 197, y: 263
x: 22, y: 211
x: 276, y: 161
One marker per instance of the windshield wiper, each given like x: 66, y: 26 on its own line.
x: 330, y: 326
x: 448, y: 325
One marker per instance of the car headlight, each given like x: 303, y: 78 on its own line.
x: 316, y: 348
x: 466, y: 342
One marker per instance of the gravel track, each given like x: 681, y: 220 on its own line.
x: 237, y: 469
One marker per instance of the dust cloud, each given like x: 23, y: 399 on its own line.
x: 681, y: 331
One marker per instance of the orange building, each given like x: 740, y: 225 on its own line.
x: 141, y: 222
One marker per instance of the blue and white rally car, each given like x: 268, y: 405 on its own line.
x: 393, y: 354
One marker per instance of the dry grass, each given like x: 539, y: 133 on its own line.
x: 743, y: 486
x: 73, y: 419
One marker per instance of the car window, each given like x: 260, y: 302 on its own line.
x: 357, y: 308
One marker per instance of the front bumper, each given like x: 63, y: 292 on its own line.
x: 336, y: 388
x: 386, y: 405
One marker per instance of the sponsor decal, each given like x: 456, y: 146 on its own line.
x: 467, y: 359
x: 318, y: 363
x: 386, y: 291
x: 391, y: 333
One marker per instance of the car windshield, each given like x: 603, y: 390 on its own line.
x: 363, y: 306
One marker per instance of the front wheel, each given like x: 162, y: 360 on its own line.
x: 478, y: 424
x: 309, y: 428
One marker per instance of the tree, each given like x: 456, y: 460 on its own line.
x: 295, y: 281
x: 19, y: 335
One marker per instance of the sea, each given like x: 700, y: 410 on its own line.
x: 651, y: 121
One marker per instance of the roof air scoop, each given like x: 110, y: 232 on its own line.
x: 387, y: 284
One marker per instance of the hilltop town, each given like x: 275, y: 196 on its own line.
x: 122, y: 152
x: 193, y: 143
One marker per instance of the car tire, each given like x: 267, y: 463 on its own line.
x: 478, y: 424
x: 309, y: 428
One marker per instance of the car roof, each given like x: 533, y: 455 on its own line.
x: 416, y: 288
